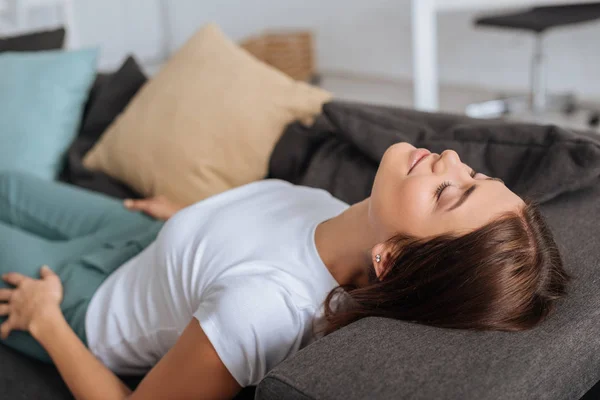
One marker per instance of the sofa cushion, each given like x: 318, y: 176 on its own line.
x: 44, y: 40
x: 207, y: 122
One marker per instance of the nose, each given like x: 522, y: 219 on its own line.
x: 446, y: 161
x: 450, y: 156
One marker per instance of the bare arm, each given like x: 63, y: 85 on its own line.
x: 86, y: 377
x: 192, y: 369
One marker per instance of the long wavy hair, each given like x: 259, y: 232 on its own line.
x: 506, y: 275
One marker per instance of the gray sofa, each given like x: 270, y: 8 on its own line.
x: 384, y: 359
x: 379, y: 358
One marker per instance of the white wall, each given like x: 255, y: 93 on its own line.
x: 120, y: 27
x: 358, y: 36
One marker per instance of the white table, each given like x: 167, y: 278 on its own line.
x: 424, y: 39
x: 17, y: 12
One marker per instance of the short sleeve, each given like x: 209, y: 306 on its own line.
x: 252, y: 324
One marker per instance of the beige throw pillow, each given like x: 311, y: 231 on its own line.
x: 207, y: 122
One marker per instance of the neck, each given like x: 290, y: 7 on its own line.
x: 344, y: 244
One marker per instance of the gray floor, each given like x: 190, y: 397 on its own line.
x: 452, y: 98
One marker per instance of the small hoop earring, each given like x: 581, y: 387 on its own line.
x: 378, y: 258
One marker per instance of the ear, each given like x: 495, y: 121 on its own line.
x: 381, y: 266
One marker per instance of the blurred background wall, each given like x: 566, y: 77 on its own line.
x: 356, y: 37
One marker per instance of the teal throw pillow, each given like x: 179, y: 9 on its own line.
x: 42, y: 95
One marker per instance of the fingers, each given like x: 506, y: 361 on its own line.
x: 130, y: 204
x: 4, y: 309
x: 46, y: 272
x: 5, y: 294
x: 14, y: 278
x: 5, y: 329
x: 139, y: 205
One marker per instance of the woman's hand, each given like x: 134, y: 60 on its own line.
x: 30, y: 300
x: 158, y: 207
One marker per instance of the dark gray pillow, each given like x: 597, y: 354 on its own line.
x: 44, y: 40
x: 112, y: 96
x: 341, y: 151
x: 109, y: 97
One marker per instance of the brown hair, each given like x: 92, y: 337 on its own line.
x: 505, y: 276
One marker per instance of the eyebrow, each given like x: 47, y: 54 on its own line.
x: 470, y: 191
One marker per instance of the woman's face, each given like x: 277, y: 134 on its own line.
x: 439, y: 194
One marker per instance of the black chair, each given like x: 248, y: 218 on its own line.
x: 538, y: 21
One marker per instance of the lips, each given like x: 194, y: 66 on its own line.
x: 415, y: 157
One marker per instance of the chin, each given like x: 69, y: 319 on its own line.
x: 391, y: 172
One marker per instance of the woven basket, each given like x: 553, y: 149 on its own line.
x: 291, y: 52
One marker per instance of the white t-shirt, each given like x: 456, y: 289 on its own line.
x: 244, y: 263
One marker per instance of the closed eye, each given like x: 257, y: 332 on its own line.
x: 440, y: 189
x: 466, y: 193
x: 470, y: 191
x: 444, y: 185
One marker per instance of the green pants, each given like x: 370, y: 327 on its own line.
x: 81, y: 235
